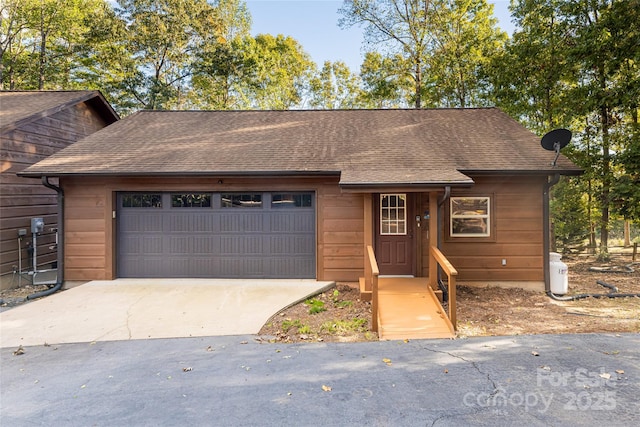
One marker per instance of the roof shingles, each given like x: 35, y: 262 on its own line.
x: 366, y: 146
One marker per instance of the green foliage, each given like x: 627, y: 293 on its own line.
x: 344, y: 304
x: 434, y: 50
x: 315, y: 306
x: 287, y: 324
x: 281, y: 70
x: 334, y: 87
x: 575, y: 65
x: 340, y: 327
x: 305, y: 329
x: 569, y: 214
x: 625, y: 192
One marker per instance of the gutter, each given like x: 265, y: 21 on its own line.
x: 60, y: 249
x: 546, y: 238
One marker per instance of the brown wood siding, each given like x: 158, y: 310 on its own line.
x: 517, y: 233
x: 23, y: 198
x: 90, y: 230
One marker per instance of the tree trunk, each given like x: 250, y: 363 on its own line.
x: 606, y: 183
x: 627, y: 234
x: 418, y: 84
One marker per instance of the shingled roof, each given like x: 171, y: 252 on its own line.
x: 364, y: 147
x: 18, y: 108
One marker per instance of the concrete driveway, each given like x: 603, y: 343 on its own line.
x: 130, y: 309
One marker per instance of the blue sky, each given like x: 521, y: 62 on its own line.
x: 314, y: 24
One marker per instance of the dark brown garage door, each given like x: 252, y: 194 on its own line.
x: 226, y: 235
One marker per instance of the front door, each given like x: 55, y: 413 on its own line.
x: 394, y: 235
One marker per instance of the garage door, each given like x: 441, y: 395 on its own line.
x: 228, y: 235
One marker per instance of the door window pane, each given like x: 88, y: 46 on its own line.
x: 393, y: 214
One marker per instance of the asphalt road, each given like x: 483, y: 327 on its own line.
x: 542, y: 380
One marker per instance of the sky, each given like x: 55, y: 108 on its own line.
x: 314, y: 24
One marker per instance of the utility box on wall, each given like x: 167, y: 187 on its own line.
x: 37, y: 225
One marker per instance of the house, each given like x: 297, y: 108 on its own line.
x: 34, y: 125
x: 301, y: 194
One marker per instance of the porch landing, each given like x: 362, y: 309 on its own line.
x: 409, y: 309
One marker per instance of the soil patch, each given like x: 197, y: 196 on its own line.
x: 486, y: 311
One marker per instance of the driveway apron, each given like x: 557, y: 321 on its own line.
x: 126, y: 309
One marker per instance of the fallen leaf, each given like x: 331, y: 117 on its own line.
x: 446, y: 371
x: 605, y: 375
x: 209, y: 348
x: 244, y: 342
x: 406, y: 340
x: 187, y: 369
x: 387, y: 361
x: 19, y: 351
x: 619, y: 371
x: 535, y: 353
x: 326, y: 388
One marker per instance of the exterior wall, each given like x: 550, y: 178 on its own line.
x: 517, y: 233
x: 23, y: 198
x: 90, y: 230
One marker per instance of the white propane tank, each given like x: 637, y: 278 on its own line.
x: 559, y: 274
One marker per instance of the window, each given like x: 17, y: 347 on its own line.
x: 470, y: 217
x: 243, y: 200
x: 291, y: 200
x: 393, y: 214
x: 142, y: 200
x: 191, y: 200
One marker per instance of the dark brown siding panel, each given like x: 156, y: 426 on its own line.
x: 22, y: 198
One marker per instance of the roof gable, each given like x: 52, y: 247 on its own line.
x: 18, y: 108
x: 424, y: 147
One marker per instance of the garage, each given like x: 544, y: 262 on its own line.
x: 221, y: 235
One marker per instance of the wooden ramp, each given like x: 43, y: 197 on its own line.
x: 409, y: 309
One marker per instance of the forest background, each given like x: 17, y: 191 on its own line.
x: 571, y: 64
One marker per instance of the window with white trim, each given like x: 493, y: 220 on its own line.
x: 470, y: 217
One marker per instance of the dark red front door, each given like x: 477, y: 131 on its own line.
x: 394, y: 235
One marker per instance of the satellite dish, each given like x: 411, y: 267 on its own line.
x: 556, y: 140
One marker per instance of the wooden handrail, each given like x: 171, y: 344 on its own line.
x: 371, y: 283
x: 451, y: 273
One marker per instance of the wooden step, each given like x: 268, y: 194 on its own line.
x: 364, y: 294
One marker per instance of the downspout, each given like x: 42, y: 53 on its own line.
x: 445, y: 197
x: 546, y: 238
x: 60, y: 248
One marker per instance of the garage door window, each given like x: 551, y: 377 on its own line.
x: 242, y: 200
x: 291, y: 200
x: 191, y: 200
x: 142, y: 201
